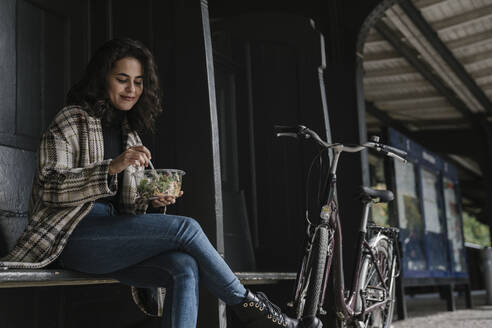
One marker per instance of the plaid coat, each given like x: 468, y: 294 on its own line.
x: 71, y: 175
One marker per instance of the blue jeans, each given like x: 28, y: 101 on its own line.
x: 153, y: 250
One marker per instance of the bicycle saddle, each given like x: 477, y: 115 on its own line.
x: 380, y: 196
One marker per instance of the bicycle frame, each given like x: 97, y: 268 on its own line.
x: 345, y: 306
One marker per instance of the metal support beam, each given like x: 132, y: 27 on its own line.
x: 431, y: 36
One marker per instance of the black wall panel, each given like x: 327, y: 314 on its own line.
x: 134, y: 20
x: 29, y: 66
x: 36, y: 66
x: 279, y: 161
x: 55, y: 69
x: 274, y: 60
x: 101, y: 23
x: 7, y: 67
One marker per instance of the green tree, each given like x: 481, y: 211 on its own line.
x: 475, y: 231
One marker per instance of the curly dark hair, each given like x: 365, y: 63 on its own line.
x: 90, y: 92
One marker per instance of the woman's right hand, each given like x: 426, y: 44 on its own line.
x: 136, y: 155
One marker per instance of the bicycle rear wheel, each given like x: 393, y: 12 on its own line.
x: 308, y: 303
x: 373, y: 287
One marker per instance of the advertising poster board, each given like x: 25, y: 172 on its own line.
x: 427, y: 204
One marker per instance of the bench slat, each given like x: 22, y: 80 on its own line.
x: 37, y: 278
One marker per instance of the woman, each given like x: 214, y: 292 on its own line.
x: 83, y: 209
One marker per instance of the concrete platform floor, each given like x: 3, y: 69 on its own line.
x: 429, y: 311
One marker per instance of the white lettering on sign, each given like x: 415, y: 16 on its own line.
x: 428, y: 157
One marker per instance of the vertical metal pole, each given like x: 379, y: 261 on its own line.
x: 196, y: 119
x: 450, y: 301
x: 487, y: 272
x: 468, y: 297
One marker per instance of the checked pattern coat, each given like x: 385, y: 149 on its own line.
x: 71, y: 175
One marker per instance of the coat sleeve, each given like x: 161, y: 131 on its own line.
x: 62, y: 182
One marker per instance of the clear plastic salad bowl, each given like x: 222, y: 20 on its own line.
x: 152, y: 184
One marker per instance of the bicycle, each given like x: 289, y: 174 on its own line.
x: 370, y: 300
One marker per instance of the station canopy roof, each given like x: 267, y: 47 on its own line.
x: 428, y: 70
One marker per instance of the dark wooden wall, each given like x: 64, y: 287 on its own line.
x: 276, y: 58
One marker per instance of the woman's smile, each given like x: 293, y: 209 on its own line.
x: 125, y: 83
x: 128, y: 98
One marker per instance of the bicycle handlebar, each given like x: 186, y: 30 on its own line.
x: 302, y: 131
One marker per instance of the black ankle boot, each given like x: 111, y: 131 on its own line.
x: 256, y: 311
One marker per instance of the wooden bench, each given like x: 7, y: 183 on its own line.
x: 14, y: 278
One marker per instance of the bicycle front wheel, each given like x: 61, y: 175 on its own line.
x: 373, y: 287
x: 316, y: 271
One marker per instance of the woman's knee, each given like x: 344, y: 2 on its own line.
x: 187, y: 264
x: 191, y: 224
x: 181, y: 264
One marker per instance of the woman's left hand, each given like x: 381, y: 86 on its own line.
x: 165, y: 200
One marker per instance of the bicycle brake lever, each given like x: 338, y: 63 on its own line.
x: 397, y: 151
x: 404, y: 160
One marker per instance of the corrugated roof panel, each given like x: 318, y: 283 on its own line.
x: 427, y: 103
x: 429, y: 54
x: 379, y: 93
x: 381, y: 49
x: 373, y: 36
x: 383, y: 65
x: 428, y: 3
x: 485, y: 57
x: 401, y: 70
x: 423, y: 113
x: 382, y: 46
x: 410, y: 95
x: 375, y: 76
x: 400, y: 101
x: 395, y: 79
x: 479, y: 69
x: 467, y: 40
x: 456, y: 14
x: 484, y: 81
x: 464, y: 52
x: 466, y: 33
x: 394, y: 86
x: 381, y: 56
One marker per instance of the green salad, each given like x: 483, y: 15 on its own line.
x: 154, y: 184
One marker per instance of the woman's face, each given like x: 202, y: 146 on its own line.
x: 125, y: 83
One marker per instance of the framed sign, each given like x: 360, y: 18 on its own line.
x: 427, y: 205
